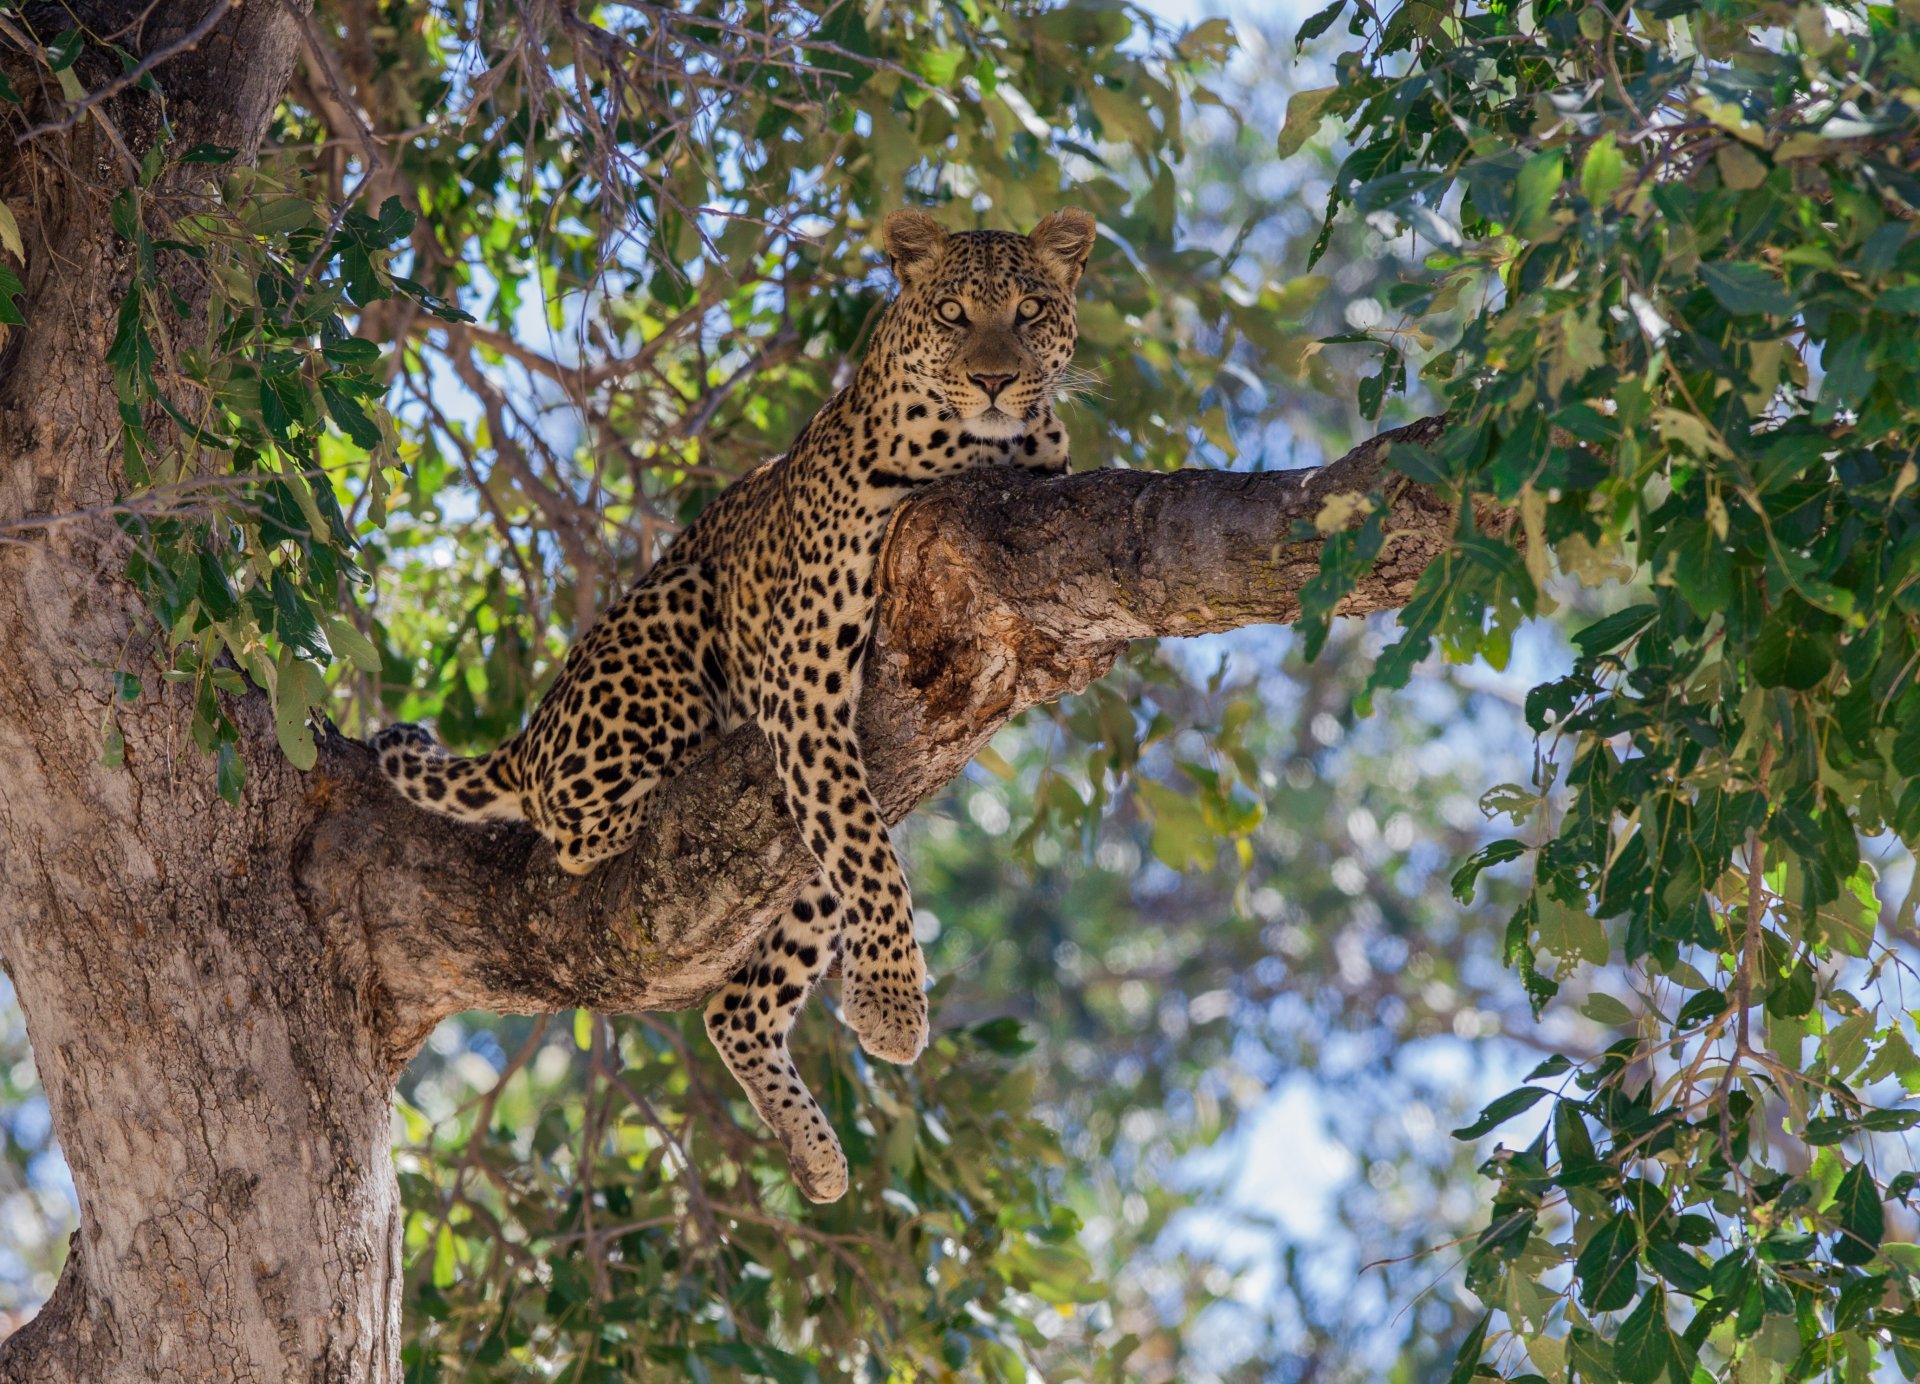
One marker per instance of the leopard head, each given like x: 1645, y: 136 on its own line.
x: 984, y: 325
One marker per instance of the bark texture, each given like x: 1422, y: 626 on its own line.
x: 220, y: 999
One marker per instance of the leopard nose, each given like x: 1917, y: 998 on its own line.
x: 991, y: 385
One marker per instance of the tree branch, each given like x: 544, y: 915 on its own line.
x: 1000, y: 592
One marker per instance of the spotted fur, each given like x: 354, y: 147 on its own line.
x: 762, y: 611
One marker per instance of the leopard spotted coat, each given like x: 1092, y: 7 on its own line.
x: 761, y: 611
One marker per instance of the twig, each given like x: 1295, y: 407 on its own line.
x: 317, y: 52
x: 1743, y: 976
x: 1750, y: 939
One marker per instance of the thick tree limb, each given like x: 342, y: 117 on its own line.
x: 1000, y: 592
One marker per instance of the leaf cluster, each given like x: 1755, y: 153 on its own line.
x: 1688, y: 233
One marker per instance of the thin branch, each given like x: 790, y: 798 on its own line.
x: 317, y: 53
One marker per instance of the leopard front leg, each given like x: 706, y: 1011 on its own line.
x: 809, y: 722
x: 748, y: 1020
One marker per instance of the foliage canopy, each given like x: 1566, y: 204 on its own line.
x: 1679, y: 244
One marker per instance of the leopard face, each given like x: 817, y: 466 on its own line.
x: 984, y: 324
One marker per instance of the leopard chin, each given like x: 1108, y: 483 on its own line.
x: 995, y: 424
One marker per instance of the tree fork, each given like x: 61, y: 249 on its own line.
x: 352, y: 922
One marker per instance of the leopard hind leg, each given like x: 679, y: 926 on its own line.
x: 637, y: 703
x: 748, y: 1020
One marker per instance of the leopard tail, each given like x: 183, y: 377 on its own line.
x: 484, y: 788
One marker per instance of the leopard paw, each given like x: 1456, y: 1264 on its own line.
x: 818, y: 1166
x: 889, y: 1014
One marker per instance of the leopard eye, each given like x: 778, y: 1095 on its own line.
x: 1029, y: 309
x: 951, y: 312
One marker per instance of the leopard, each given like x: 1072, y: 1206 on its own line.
x: 761, y: 611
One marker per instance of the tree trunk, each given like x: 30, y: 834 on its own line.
x: 215, y: 1083
x: 220, y: 999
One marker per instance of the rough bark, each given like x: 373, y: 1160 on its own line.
x: 220, y: 999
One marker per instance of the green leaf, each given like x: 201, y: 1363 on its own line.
x: 1604, y: 1268
x: 352, y: 419
x: 297, y: 687
x: 353, y: 351
x: 1496, y: 853
x: 1498, y: 1112
x: 1318, y: 23
x: 1182, y: 838
x: 1828, y: 1129
x: 1699, y: 1008
x: 65, y: 50
x: 1791, y: 996
x: 1701, y: 566
x: 1373, y: 390
x: 1602, y: 170
x: 1534, y: 192
x: 1613, y: 630
x: 1746, y: 288
x: 123, y: 213
x: 1681, y: 1269
x: 1890, y: 1121
x: 348, y: 640
x: 445, y: 1264
x: 1579, y: 1164
x: 1645, y: 1345
x: 845, y: 27
x: 1860, y: 1216
x: 1571, y: 934
x: 1303, y: 119
x: 395, y: 222
x: 278, y: 216
x: 1466, y: 1360
x: 1840, y: 847
x: 1791, y: 652
x: 232, y: 772
x: 364, y: 284
x: 293, y: 619
x: 1419, y: 463
x: 10, y: 234
x: 1857, y: 1299
x: 10, y: 290
x: 1605, y: 1009
x: 1211, y: 40
x: 1005, y: 1037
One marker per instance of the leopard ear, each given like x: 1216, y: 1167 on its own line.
x: 914, y: 241
x: 1062, y: 242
